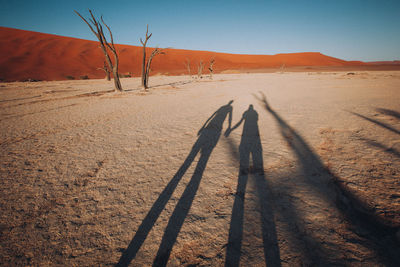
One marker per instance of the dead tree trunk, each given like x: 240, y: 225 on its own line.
x: 187, y: 65
x: 105, y: 46
x: 200, y: 69
x: 211, y: 68
x: 117, y: 82
x: 148, y: 64
x: 105, y: 69
x: 144, y: 82
x: 282, y: 68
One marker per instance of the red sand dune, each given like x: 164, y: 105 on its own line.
x: 32, y: 55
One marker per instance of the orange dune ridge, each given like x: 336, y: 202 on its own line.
x: 38, y: 56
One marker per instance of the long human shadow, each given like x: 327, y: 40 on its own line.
x: 380, y: 237
x: 384, y: 148
x: 310, y: 251
x: 382, y: 124
x: 250, y: 145
x: 374, y: 143
x: 389, y: 112
x: 208, y: 138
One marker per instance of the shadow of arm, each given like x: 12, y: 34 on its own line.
x: 230, y: 119
x: 204, y: 125
x: 263, y: 100
x: 229, y: 130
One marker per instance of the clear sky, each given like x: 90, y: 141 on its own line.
x: 367, y: 30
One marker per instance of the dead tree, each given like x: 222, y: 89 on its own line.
x: 105, y: 45
x: 211, y: 68
x: 144, y: 83
x: 187, y: 65
x: 106, y: 70
x: 282, y: 68
x: 155, y: 52
x: 200, y: 69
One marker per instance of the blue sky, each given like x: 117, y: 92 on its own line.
x: 367, y: 30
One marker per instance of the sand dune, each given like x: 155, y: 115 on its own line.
x: 32, y: 55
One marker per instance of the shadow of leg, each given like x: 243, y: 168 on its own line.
x: 234, y: 246
x: 180, y: 212
x: 155, y: 211
x: 270, y: 240
x: 379, y: 237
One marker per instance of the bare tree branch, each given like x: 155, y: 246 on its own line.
x: 111, y: 35
x: 155, y: 52
x: 211, y: 68
x: 106, y: 70
x: 90, y: 26
x: 187, y: 65
x: 200, y: 69
x: 104, y: 45
x: 144, y: 43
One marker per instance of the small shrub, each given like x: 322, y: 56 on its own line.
x: 31, y: 80
x: 84, y: 77
x: 121, y: 75
x: 69, y: 77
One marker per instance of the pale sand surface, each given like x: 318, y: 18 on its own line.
x: 81, y: 170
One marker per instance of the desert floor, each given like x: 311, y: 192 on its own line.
x: 309, y: 178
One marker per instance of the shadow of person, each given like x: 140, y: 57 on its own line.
x: 389, y: 112
x: 208, y: 137
x: 379, y: 123
x: 380, y: 237
x: 250, y: 145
